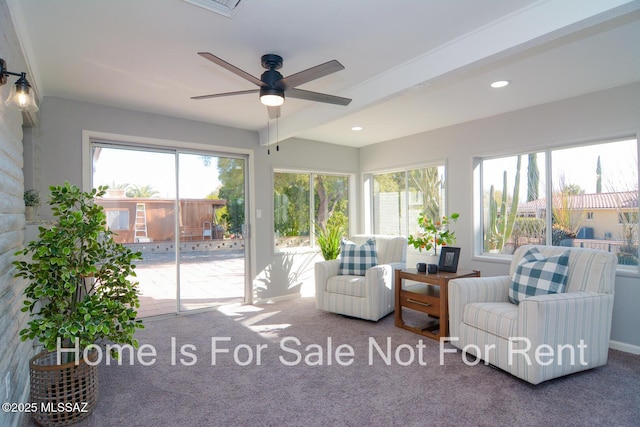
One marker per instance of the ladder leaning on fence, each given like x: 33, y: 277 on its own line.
x: 140, y: 227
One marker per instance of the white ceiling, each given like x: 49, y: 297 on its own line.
x: 411, y: 65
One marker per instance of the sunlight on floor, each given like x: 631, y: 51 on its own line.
x: 251, y: 316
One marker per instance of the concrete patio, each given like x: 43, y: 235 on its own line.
x: 207, y: 279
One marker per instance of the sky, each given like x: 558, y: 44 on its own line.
x: 157, y: 169
x: 619, y: 164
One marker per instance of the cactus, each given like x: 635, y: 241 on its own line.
x: 500, y: 223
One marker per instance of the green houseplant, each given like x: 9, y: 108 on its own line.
x: 432, y: 234
x: 31, y: 198
x: 31, y: 203
x: 80, y: 291
x: 328, y: 237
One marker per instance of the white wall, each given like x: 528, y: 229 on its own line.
x: 598, y: 116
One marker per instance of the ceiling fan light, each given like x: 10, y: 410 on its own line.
x: 272, y: 100
x: 271, y: 97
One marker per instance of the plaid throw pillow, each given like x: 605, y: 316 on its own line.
x: 356, y: 260
x: 536, y: 275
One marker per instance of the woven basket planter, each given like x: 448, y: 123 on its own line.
x: 63, y: 394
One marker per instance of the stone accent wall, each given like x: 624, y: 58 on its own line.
x: 14, y: 354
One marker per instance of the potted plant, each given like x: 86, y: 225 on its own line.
x: 328, y: 237
x: 432, y: 234
x: 31, y: 203
x: 79, y: 295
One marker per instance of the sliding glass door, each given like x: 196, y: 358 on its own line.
x: 212, y: 210
x: 185, y: 212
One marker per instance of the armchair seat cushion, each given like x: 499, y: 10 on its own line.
x: 497, y: 318
x: 347, y: 285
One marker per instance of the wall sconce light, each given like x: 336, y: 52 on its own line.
x: 21, y: 96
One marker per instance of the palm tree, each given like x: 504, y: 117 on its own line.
x: 122, y: 186
x: 142, y: 192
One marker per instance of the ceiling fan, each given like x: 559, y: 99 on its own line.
x: 272, y: 86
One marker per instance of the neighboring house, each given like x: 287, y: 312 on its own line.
x: 602, y: 216
x: 140, y: 220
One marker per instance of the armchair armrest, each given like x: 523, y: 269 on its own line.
x: 583, y: 316
x: 479, y: 289
x: 381, y: 275
x: 399, y: 265
x: 323, y: 271
x: 376, y: 275
x: 474, y: 289
x: 379, y: 286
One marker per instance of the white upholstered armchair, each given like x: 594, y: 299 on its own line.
x: 569, y: 330
x: 369, y: 297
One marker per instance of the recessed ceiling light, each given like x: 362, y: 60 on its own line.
x: 357, y: 128
x: 500, y: 83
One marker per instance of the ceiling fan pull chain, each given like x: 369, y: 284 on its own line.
x: 268, y: 137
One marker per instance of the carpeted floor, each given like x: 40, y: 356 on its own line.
x: 311, y: 387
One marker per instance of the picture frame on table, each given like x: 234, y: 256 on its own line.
x: 449, y: 257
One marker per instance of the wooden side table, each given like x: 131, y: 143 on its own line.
x: 429, y: 296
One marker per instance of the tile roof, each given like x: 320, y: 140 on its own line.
x: 618, y: 200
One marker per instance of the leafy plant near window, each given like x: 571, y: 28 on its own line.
x: 567, y: 219
x: 399, y: 197
x: 31, y: 198
x: 328, y: 237
x: 501, y: 220
x: 291, y: 204
x: 80, y: 287
x: 231, y: 175
x: 433, y: 233
x: 306, y: 201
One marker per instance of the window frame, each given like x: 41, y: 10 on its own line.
x: 478, y: 185
x: 369, y: 178
x: 118, y: 212
x: 313, y: 247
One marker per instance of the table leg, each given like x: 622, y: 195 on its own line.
x: 398, y: 310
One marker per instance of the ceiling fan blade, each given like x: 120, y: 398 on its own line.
x: 274, y: 112
x: 218, y: 95
x: 317, y: 97
x: 235, y: 70
x: 311, y: 74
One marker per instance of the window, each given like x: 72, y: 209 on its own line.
x: 399, y: 197
x: 117, y: 219
x: 298, y: 209
x: 514, y: 212
x: 584, y: 180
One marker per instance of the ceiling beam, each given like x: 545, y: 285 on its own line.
x: 529, y: 27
